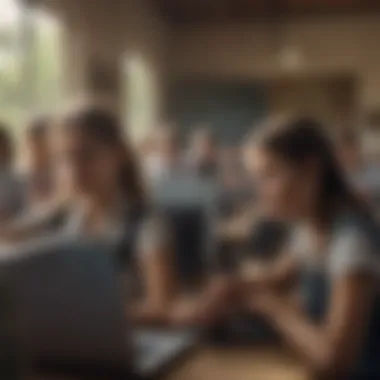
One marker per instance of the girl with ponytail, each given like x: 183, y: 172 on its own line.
x: 100, y: 196
x: 334, y: 252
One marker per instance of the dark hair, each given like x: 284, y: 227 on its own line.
x: 301, y: 139
x: 6, y: 144
x: 104, y: 126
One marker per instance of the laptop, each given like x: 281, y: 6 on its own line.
x: 70, y: 315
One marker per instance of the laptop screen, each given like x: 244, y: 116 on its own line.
x: 67, y: 301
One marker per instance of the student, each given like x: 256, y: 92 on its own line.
x: 364, y: 175
x: 203, y: 154
x: 335, y: 251
x: 237, y: 191
x: 103, y: 199
x: 39, y: 177
x: 167, y: 161
x: 11, y: 190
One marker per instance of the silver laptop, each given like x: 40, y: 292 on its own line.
x: 69, y: 309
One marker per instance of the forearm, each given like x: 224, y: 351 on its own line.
x: 238, y: 227
x: 331, y: 347
x: 308, y: 339
x: 267, y: 276
x: 233, y: 232
x: 212, y: 304
x: 143, y: 313
x: 27, y: 226
x: 159, y: 278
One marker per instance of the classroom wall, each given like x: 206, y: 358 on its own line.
x: 298, y: 47
x: 331, y: 99
x: 295, y: 48
x: 100, y: 39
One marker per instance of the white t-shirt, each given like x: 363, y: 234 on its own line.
x: 352, y: 248
x: 367, y: 181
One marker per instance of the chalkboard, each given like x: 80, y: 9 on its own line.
x: 230, y: 108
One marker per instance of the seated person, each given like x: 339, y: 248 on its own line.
x: 335, y: 253
x: 166, y: 160
x: 203, y: 154
x: 237, y: 191
x: 12, y: 197
x: 362, y: 174
x: 103, y: 198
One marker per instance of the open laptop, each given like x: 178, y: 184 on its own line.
x: 70, y: 314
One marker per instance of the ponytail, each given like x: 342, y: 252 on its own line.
x: 130, y: 178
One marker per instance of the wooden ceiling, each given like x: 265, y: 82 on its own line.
x: 194, y: 11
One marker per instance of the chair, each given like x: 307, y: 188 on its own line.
x: 190, y: 205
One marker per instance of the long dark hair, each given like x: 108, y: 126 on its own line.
x: 103, y: 125
x: 297, y: 140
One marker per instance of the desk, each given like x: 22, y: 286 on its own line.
x: 234, y: 364
x: 240, y: 364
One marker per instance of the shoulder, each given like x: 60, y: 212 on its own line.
x: 299, y: 242
x: 355, y: 245
x: 357, y: 227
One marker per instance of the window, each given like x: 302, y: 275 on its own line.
x: 30, y: 63
x: 141, y: 99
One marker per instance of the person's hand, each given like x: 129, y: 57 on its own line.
x: 203, y: 309
x: 253, y: 275
x: 267, y: 303
x: 146, y: 313
x: 184, y: 312
x: 221, y: 286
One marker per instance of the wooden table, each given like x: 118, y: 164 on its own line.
x: 234, y: 364
x: 240, y: 364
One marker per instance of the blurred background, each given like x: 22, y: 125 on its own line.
x: 222, y: 63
